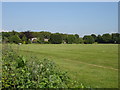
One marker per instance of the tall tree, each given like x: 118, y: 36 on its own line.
x: 28, y: 34
x: 94, y: 36
x: 115, y: 37
x: 76, y: 35
x: 107, y: 38
x: 71, y: 39
x: 99, y: 39
x: 55, y: 39
x: 14, y: 32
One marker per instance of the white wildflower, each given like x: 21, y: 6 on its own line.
x: 41, y: 65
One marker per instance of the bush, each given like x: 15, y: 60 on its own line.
x: 20, y: 73
x: 28, y: 42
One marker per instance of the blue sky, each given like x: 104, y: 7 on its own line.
x: 82, y: 18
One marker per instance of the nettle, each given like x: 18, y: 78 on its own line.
x: 17, y: 72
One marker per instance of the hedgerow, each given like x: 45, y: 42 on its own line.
x: 17, y: 72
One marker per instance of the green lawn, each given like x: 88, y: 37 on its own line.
x: 94, y: 65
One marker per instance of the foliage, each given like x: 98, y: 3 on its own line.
x: 88, y: 39
x: 6, y: 40
x: 28, y: 41
x: 94, y: 36
x: 28, y: 34
x: 66, y: 38
x: 116, y: 38
x: 106, y: 38
x: 41, y: 39
x: 76, y: 35
x: 45, y: 34
x: 81, y: 40
x: 20, y: 73
x: 99, y: 39
x: 14, y: 33
x: 24, y: 39
x: 15, y: 39
x: 71, y: 39
x: 55, y: 39
x: 5, y: 34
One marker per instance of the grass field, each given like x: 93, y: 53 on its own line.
x: 94, y: 65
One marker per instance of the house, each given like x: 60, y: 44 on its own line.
x: 19, y: 43
x: 46, y: 40
x: 64, y: 42
x: 32, y: 39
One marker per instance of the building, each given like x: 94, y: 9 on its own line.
x: 32, y: 39
x: 46, y: 40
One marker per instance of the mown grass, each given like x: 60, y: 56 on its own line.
x: 94, y: 65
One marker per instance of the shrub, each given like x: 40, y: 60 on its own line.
x: 28, y: 42
x: 21, y: 73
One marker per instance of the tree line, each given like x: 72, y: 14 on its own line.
x: 43, y: 37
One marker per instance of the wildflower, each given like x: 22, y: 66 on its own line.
x: 41, y: 65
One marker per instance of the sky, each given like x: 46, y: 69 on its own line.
x: 83, y: 18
